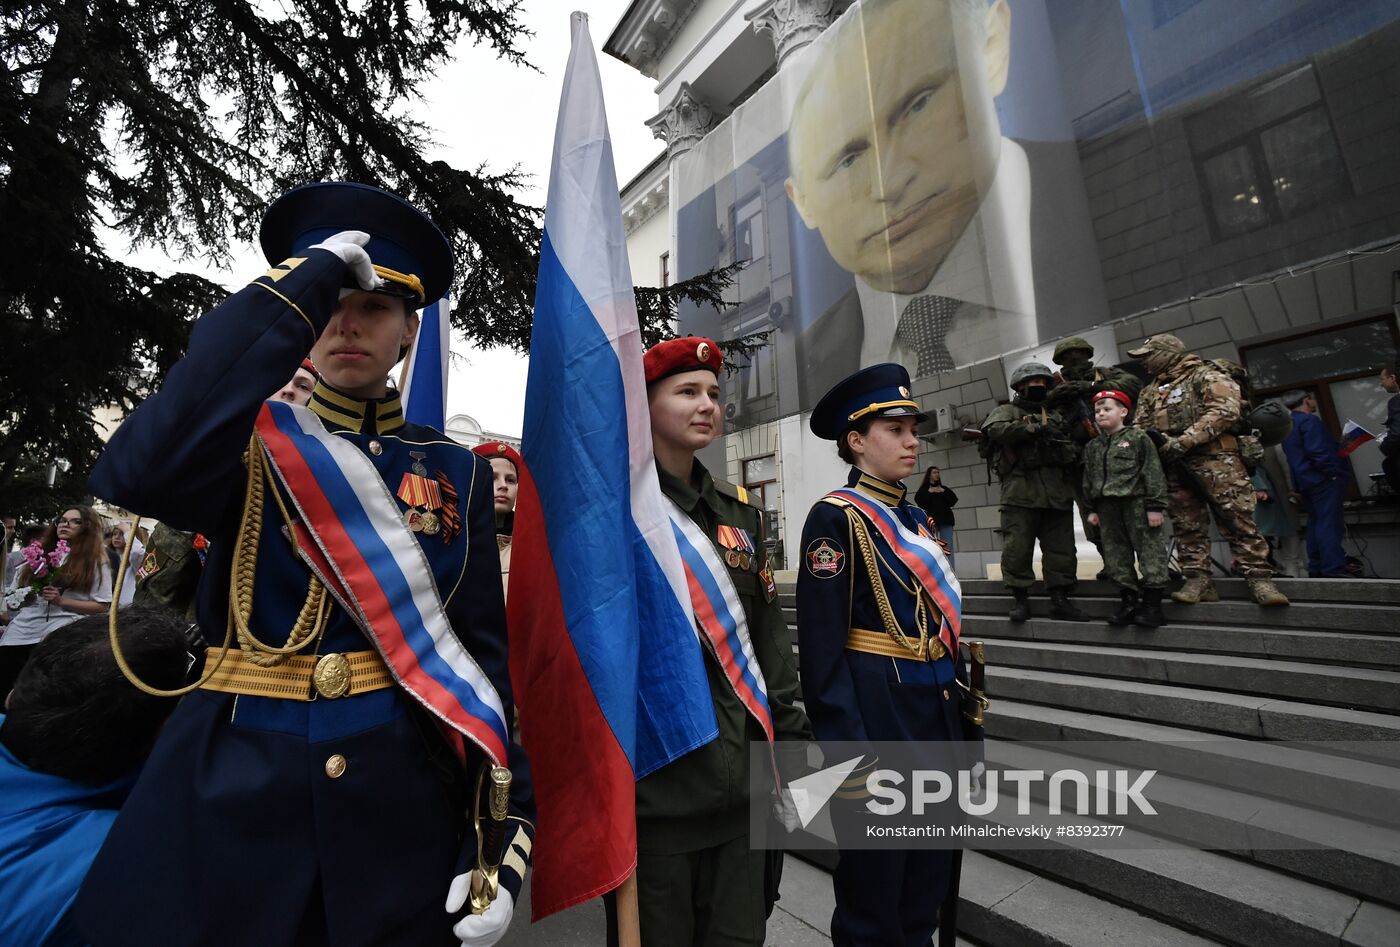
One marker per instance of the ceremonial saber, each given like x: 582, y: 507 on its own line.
x: 490, y: 837
x: 977, y: 682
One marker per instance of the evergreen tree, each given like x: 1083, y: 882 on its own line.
x: 170, y: 123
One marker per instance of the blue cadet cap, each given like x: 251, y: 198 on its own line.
x: 880, y: 391
x: 406, y: 248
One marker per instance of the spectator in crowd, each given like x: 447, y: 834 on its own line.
x: 73, y: 736
x: 14, y: 559
x: 1390, y: 444
x: 298, y: 388
x: 7, y: 527
x: 1321, y: 476
x: 116, y: 544
x: 80, y: 585
x: 1273, y: 515
x: 938, y: 501
x: 505, y: 485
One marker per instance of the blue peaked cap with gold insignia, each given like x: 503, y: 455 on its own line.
x: 880, y: 391
x: 406, y: 248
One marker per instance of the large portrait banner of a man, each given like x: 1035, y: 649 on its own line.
x: 907, y: 188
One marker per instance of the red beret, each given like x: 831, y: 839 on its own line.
x: 1117, y: 396
x: 310, y: 366
x: 499, y: 449
x: 681, y: 355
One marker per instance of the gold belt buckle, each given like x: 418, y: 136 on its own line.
x: 332, y: 676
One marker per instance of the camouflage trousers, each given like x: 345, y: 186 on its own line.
x: 1224, y: 476
x: 1125, y: 534
x: 1091, y: 532
x: 1021, y: 526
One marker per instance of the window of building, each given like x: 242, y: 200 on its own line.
x: 666, y: 269
x: 1164, y: 11
x: 1267, y: 154
x: 761, y: 480
x: 749, y: 243
x: 1340, y: 366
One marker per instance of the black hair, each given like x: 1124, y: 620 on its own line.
x: 31, y: 532
x: 1390, y: 368
x: 73, y: 713
x: 843, y: 443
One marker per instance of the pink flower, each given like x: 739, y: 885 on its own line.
x: 59, y: 553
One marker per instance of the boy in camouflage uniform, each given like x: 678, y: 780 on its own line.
x: 1126, y: 492
x: 1076, y: 385
x: 1196, y: 406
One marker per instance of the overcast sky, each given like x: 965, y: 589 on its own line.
x: 491, y: 111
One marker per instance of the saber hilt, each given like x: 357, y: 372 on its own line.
x: 490, y: 836
x: 977, y: 683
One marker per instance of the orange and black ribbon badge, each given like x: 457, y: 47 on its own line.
x: 451, y: 519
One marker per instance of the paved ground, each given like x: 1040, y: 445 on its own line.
x: 800, y: 919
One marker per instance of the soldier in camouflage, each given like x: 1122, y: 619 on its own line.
x: 1197, y: 407
x: 1037, y: 464
x: 1126, y: 492
x: 1077, y: 381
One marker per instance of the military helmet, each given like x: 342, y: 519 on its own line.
x: 1030, y: 370
x: 1272, y: 421
x: 1069, y: 345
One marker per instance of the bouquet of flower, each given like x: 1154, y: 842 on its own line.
x: 44, y: 567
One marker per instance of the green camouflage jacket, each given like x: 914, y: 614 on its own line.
x: 1124, y: 464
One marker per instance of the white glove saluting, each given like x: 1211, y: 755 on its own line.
x: 349, y: 245
x: 479, y: 930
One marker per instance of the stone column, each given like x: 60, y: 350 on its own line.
x: 793, y: 24
x: 684, y: 122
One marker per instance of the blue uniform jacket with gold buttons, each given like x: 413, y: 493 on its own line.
x: 854, y: 695
x: 246, y: 826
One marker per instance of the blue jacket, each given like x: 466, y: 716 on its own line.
x: 1312, y: 452
x: 236, y: 831
x: 1391, y: 445
x: 50, y: 829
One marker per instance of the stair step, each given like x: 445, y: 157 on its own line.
x: 1365, y: 688
x: 1002, y: 904
x: 1350, y: 854
x: 1376, y: 735
x: 1220, y: 896
x: 1329, y: 647
x: 1347, y: 591
x: 1378, y: 619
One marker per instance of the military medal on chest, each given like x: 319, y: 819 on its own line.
x: 739, y: 549
x: 423, y: 496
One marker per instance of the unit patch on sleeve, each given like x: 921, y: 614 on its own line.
x: 825, y: 558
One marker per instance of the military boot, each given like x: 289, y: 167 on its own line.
x: 1149, y: 613
x: 1127, y: 604
x: 1264, y: 592
x: 1061, y: 607
x: 1022, y: 609
x: 1198, y: 588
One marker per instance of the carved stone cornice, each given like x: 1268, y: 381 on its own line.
x: 683, y: 123
x: 646, y: 31
x: 793, y: 24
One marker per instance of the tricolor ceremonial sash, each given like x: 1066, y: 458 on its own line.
x: 720, y: 617
x: 920, y: 554
x: 373, y: 564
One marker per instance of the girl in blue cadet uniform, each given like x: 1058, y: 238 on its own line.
x: 317, y: 787
x: 878, y: 615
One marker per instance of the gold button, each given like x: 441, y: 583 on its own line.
x: 335, y: 766
x: 945, y: 693
x: 376, y: 448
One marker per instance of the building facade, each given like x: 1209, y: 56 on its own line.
x: 1022, y: 171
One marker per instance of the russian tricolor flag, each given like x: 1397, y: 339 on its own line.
x: 1353, y: 436
x: 605, y: 661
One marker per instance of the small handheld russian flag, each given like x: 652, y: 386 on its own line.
x: 1353, y: 436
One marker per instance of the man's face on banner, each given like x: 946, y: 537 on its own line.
x: 896, y: 138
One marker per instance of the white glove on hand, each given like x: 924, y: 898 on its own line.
x: 479, y: 930
x: 15, y: 598
x: 785, y: 810
x: 349, y: 245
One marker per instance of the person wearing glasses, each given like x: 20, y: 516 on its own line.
x: 81, y: 584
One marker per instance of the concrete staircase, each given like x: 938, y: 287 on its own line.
x: 1280, y: 859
